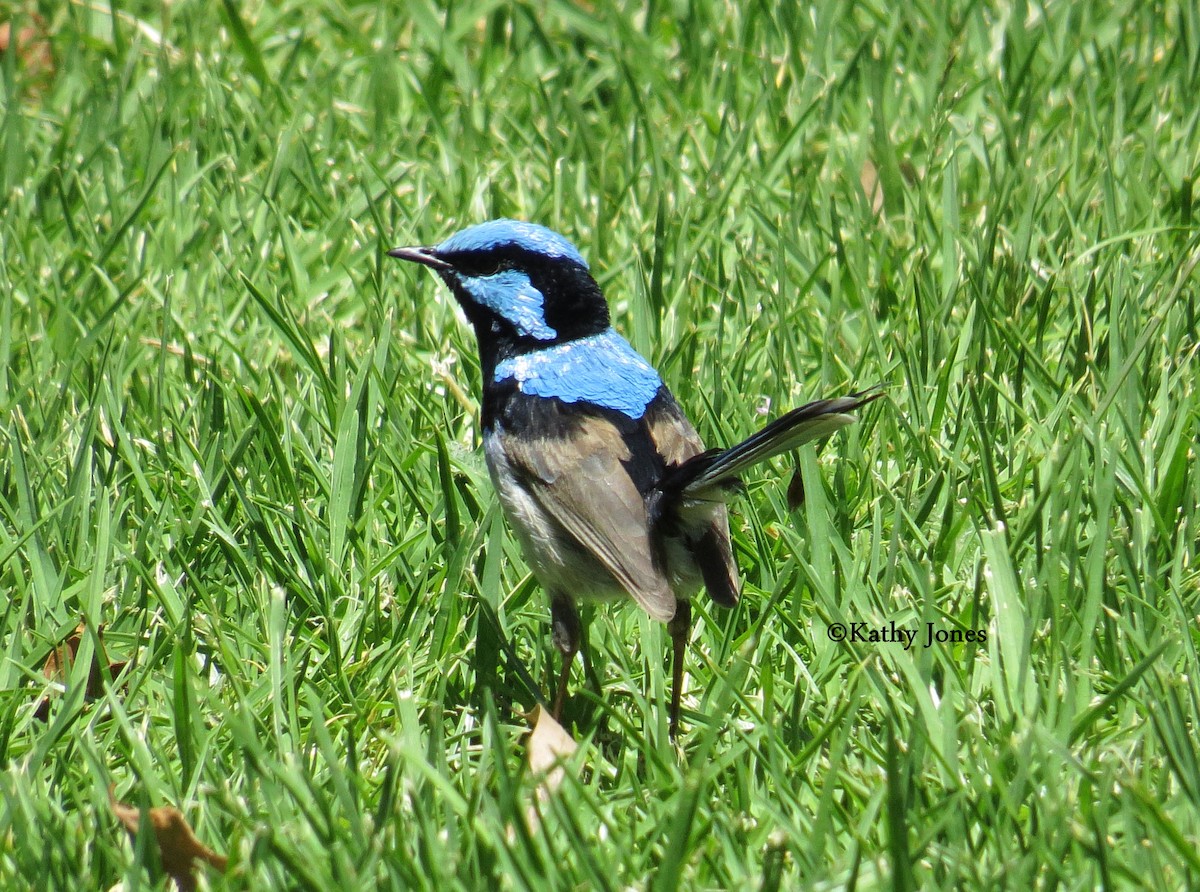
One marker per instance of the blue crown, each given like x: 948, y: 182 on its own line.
x: 512, y: 233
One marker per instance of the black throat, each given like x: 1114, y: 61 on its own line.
x: 573, y: 306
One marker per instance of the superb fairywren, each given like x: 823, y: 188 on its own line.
x: 604, y: 480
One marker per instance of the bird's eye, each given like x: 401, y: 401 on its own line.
x: 482, y: 267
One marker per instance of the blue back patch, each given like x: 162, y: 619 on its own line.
x: 530, y: 237
x: 512, y: 296
x: 602, y: 369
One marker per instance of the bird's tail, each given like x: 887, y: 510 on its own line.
x: 711, y: 474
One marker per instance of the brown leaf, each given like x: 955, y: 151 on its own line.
x: 58, y: 667
x: 178, y: 847
x: 872, y: 187
x: 546, y: 749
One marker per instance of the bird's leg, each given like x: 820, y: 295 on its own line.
x: 565, y: 632
x: 679, y: 627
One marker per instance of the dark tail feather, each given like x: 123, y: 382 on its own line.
x: 719, y: 468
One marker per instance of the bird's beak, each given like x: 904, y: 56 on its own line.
x: 423, y: 256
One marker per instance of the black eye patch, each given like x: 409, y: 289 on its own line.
x: 478, y: 265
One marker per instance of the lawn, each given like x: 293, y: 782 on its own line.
x: 239, y: 444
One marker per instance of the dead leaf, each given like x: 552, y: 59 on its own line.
x: 178, y: 847
x: 58, y: 667
x: 872, y: 187
x: 548, y: 747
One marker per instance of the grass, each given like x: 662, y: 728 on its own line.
x: 240, y: 441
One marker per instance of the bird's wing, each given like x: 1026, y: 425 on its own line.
x: 578, y: 476
x: 671, y: 432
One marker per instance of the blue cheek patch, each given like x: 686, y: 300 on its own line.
x: 601, y: 369
x: 510, y: 295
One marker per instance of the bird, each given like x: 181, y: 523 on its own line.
x: 605, y: 482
